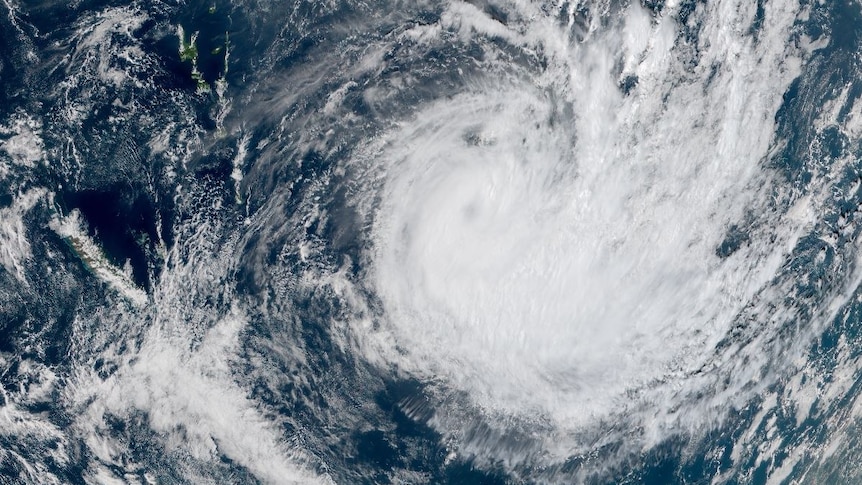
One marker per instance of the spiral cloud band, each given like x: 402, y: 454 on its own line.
x: 436, y: 241
x: 553, y: 242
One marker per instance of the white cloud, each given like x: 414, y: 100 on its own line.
x: 562, y: 268
x: 14, y: 245
x: 174, y: 362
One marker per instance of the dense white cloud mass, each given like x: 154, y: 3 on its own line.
x: 548, y: 243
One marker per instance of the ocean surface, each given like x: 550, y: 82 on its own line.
x: 430, y: 242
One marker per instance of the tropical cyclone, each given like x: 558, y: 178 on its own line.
x: 547, y: 243
x: 486, y: 241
